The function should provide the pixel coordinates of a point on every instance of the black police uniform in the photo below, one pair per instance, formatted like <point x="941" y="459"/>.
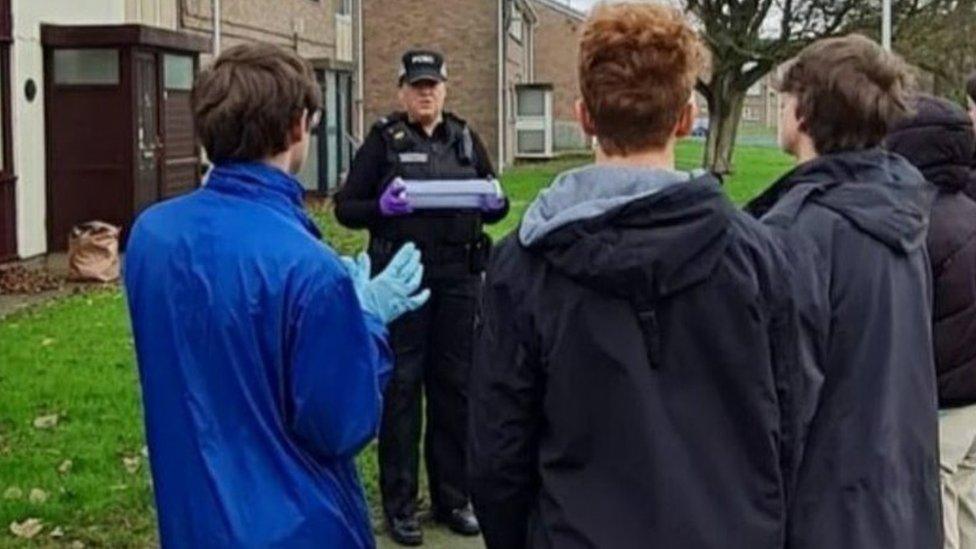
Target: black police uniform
<point x="433" y="346"/>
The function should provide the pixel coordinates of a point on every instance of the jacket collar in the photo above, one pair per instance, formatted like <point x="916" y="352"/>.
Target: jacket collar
<point x="824" y="171"/>
<point x="265" y="184"/>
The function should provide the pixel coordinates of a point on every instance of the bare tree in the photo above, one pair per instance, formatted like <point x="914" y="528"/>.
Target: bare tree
<point x="938" y="42"/>
<point x="749" y="38"/>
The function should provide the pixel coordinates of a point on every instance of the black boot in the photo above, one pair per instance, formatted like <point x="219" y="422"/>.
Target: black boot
<point x="461" y="521"/>
<point x="406" y="530"/>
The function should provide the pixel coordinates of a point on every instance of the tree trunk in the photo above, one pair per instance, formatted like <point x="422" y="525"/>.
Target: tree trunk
<point x="724" y="113"/>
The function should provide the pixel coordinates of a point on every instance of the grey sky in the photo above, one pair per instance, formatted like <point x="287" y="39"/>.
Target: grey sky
<point x="581" y="5"/>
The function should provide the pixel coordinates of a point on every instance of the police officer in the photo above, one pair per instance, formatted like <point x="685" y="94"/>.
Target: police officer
<point x="433" y="346"/>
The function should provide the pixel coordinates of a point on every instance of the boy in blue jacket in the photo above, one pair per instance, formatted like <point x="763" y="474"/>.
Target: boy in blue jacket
<point x="262" y="355"/>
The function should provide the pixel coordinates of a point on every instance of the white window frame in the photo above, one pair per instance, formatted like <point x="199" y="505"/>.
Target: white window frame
<point x="542" y="123"/>
<point x="516" y="29"/>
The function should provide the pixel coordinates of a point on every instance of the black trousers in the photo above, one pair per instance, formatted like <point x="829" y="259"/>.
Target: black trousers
<point x="433" y="348"/>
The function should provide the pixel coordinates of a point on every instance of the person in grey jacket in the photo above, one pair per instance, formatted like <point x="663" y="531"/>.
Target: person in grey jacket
<point x="870" y="471"/>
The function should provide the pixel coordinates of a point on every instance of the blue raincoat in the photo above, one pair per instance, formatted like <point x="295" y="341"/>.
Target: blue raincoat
<point x="261" y="375"/>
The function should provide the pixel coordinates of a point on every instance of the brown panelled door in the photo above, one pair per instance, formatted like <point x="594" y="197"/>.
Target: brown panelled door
<point x="148" y="142"/>
<point x="119" y="129"/>
<point x="89" y="127"/>
<point x="8" y="217"/>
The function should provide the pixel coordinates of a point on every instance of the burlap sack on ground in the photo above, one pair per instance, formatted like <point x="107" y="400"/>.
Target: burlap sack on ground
<point x="93" y="252"/>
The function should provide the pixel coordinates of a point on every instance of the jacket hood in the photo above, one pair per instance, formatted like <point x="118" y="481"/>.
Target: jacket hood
<point x="939" y="141"/>
<point x="877" y="191"/>
<point x="639" y="234"/>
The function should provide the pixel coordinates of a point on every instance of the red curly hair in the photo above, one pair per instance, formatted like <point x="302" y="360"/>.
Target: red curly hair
<point x="638" y="65"/>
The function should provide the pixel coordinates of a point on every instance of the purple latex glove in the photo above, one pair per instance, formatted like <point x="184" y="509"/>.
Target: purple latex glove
<point x="394" y="201"/>
<point x="493" y="203"/>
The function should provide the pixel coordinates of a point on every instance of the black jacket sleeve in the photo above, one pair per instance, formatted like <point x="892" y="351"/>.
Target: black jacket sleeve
<point x="799" y="332"/>
<point x="505" y="410"/>
<point x="357" y="202"/>
<point x="487" y="170"/>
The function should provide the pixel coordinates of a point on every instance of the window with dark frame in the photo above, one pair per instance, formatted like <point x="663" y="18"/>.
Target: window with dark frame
<point x="177" y="72"/>
<point x="86" y="67"/>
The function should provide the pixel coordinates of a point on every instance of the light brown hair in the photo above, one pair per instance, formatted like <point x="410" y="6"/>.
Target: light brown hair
<point x="638" y="65"/>
<point x="247" y="101"/>
<point x="849" y="92"/>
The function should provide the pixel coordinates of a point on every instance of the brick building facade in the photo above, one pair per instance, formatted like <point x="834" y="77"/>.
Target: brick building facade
<point x="556" y="53"/>
<point x="324" y="32"/>
<point x="760" y="107"/>
<point x="493" y="48"/>
<point x="308" y="27"/>
<point x="465" y="31"/>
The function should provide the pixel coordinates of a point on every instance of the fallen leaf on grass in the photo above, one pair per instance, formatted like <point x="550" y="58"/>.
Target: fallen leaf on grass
<point x="37" y="496"/>
<point x="49" y="421"/>
<point x="77" y="545"/>
<point x="13" y="493"/>
<point x="131" y="464"/>
<point x="48" y="341"/>
<point x="27" y="529"/>
<point x="65" y="466"/>
<point x="57" y="532"/>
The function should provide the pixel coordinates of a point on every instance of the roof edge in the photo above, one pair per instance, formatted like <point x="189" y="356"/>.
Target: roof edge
<point x="562" y="8"/>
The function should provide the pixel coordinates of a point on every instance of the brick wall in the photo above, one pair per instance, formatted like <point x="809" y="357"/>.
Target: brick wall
<point x="518" y="71"/>
<point x="465" y="31"/>
<point x="308" y="25"/>
<point x="556" y="53"/>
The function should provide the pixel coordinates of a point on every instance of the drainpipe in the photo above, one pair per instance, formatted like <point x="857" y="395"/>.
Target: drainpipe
<point x="886" y="24"/>
<point x="361" y="69"/>
<point x="501" y="85"/>
<point x="215" y="15"/>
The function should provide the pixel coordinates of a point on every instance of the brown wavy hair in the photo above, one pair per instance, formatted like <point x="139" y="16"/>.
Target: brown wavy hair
<point x="638" y="65"/>
<point x="849" y="92"/>
<point x="247" y="101"/>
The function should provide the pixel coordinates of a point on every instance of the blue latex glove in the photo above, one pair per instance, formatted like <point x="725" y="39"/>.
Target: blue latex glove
<point x="393" y="292"/>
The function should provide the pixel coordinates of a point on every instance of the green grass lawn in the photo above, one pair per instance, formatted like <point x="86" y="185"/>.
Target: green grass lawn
<point x="756" y="168"/>
<point x="74" y="359"/>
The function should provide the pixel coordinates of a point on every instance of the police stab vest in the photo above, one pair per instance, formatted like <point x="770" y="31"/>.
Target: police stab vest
<point x="416" y="157"/>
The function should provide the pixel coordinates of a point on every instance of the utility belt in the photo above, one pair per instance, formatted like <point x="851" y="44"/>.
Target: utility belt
<point x="439" y="259"/>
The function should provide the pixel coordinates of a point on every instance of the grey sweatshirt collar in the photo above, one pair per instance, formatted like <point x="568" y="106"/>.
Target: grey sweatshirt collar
<point x="591" y="191"/>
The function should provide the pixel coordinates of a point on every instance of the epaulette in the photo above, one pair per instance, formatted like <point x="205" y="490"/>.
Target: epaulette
<point x="388" y="120"/>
